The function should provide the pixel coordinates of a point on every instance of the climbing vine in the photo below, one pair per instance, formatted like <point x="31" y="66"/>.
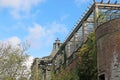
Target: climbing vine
<point x="87" y="63"/>
<point x="86" y="67"/>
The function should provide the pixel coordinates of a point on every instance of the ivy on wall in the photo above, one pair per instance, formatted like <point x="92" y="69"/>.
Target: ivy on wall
<point x="86" y="68"/>
<point x="87" y="63"/>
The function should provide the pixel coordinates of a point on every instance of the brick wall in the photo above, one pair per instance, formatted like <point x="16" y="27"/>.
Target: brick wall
<point x="108" y="49"/>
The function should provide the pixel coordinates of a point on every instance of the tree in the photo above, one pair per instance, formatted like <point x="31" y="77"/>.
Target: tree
<point x="12" y="61"/>
<point x="66" y="74"/>
<point x="88" y="60"/>
<point x="102" y="18"/>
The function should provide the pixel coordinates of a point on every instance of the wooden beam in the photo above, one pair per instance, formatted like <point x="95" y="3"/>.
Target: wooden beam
<point x="107" y="5"/>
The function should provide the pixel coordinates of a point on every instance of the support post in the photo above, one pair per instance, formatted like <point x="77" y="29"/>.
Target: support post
<point x="84" y="31"/>
<point x="96" y="14"/>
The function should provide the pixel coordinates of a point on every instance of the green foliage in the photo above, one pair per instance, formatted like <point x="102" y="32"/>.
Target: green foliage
<point x="101" y="17"/>
<point x="86" y="68"/>
<point x="36" y="73"/>
<point x="87" y="59"/>
<point x="9" y="78"/>
<point x="23" y="78"/>
<point x="12" y="62"/>
<point x="66" y="74"/>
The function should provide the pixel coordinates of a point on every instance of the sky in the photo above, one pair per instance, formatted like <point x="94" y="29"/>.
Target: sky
<point x="39" y="22"/>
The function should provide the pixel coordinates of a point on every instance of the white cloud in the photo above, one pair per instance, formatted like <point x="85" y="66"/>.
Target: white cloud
<point x="79" y="2"/>
<point x="64" y="17"/>
<point x="18" y="6"/>
<point x="36" y="33"/>
<point x="40" y="36"/>
<point x="12" y="41"/>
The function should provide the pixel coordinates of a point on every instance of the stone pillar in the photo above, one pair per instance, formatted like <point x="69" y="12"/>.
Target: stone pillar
<point x="36" y="68"/>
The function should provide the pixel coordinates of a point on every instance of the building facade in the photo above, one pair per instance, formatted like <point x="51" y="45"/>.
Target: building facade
<point x="41" y="67"/>
<point x="108" y="50"/>
<point x="107" y="26"/>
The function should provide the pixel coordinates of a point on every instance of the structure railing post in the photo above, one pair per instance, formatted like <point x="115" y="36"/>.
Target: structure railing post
<point x="96" y="14"/>
<point x="84" y="31"/>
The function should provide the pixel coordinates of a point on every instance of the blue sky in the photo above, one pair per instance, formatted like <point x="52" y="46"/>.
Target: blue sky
<point x="39" y="22"/>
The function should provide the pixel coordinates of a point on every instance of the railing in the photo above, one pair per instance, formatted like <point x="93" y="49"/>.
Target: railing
<point x="96" y="15"/>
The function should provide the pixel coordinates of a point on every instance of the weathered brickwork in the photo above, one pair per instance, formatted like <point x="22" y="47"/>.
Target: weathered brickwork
<point x="108" y="49"/>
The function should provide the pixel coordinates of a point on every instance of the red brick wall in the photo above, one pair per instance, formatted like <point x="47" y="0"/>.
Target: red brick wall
<point x="108" y="41"/>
